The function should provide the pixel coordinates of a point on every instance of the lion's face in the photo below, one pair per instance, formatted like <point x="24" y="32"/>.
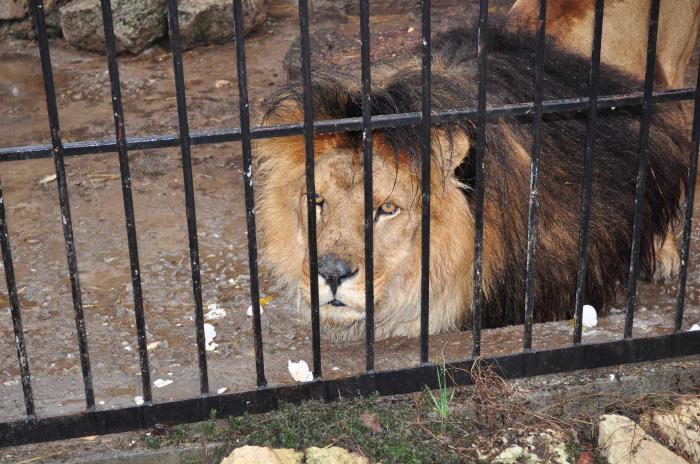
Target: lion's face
<point x="396" y="221"/>
<point x="340" y="233"/>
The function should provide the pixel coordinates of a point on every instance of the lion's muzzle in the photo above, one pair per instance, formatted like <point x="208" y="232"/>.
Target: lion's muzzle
<point x="334" y="271"/>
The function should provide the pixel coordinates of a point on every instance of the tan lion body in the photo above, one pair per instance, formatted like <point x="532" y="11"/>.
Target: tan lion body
<point x="625" y="32"/>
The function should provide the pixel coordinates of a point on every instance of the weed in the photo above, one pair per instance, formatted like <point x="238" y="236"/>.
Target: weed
<point x="441" y="404"/>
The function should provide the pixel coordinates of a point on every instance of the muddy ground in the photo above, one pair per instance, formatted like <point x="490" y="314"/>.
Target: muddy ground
<point x="35" y="229"/>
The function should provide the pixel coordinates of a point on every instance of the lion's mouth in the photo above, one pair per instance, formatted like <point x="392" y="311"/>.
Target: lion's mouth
<point x="336" y="303"/>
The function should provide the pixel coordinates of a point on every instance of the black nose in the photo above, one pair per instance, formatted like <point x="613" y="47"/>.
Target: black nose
<point x="334" y="269"/>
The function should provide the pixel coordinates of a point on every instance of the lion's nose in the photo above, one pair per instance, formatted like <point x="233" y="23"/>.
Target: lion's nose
<point x="334" y="270"/>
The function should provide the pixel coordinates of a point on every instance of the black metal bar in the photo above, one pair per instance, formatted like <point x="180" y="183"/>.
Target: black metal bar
<point x="534" y="170"/>
<point x="57" y="150"/>
<point x="310" y="184"/>
<point x="688" y="212"/>
<point x="128" y="200"/>
<point x="15" y="310"/>
<point x="248" y="187"/>
<point x="523" y="364"/>
<point x="478" y="296"/>
<point x="642" y="169"/>
<point x="588" y="169"/>
<point x="426" y="80"/>
<point x="184" y="140"/>
<point x="340" y="125"/>
<point x="369" y="201"/>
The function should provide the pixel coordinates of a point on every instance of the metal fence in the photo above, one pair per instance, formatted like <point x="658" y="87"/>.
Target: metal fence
<point x="528" y="362"/>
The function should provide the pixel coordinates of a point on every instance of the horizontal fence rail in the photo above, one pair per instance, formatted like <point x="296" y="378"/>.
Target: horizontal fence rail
<point x="528" y="362"/>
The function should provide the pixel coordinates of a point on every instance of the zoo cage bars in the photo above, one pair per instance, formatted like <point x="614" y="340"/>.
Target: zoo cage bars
<point x="528" y="362"/>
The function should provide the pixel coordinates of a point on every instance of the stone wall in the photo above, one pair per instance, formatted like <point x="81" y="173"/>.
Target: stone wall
<point x="137" y="23"/>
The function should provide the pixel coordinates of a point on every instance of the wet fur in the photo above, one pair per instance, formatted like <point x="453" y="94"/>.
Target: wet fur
<point x="397" y="89"/>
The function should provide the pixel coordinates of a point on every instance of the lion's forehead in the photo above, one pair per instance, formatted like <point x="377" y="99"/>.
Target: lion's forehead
<point x="342" y="173"/>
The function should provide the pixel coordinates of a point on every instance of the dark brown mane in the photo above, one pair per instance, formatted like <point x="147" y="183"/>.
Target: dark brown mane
<point x="397" y="89"/>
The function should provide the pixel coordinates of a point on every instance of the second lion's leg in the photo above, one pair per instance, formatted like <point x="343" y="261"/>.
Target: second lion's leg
<point x="668" y="260"/>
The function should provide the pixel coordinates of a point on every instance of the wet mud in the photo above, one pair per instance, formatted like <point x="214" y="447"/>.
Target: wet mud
<point x="35" y="229"/>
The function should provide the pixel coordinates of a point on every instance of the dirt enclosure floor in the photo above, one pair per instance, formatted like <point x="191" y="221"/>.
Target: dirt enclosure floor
<point x="35" y="229"/>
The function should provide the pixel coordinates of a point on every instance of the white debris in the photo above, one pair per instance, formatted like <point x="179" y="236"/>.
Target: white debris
<point x="46" y="179"/>
<point x="336" y="368"/>
<point x="589" y="317"/>
<point x="249" y="312"/>
<point x="411" y="29"/>
<point x="694" y="328"/>
<point x="222" y="83"/>
<point x="215" y="312"/>
<point x="300" y="371"/>
<point x="209" y="334"/>
<point x="160" y="383"/>
<point x="612" y="377"/>
<point x="152" y="346"/>
<point x="138" y="400"/>
<point x="232" y="281"/>
<point x="221" y="391"/>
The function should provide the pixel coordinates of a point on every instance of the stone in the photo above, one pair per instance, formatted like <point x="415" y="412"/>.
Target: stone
<point x="13" y="9"/>
<point x="211" y="21"/>
<point x="680" y="427"/>
<point x="333" y="455"/>
<point x="137" y="24"/>
<point x="516" y="454"/>
<point x="622" y="441"/>
<point x="262" y="455"/>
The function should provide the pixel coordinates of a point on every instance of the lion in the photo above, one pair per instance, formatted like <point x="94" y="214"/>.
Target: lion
<point x="281" y="195"/>
<point x="625" y="28"/>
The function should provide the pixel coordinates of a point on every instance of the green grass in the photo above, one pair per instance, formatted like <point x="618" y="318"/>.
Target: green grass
<point x="412" y="434"/>
<point x="442" y="403"/>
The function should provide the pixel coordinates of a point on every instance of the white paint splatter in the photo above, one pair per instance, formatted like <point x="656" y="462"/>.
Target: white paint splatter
<point x="589" y="317"/>
<point x="160" y="383"/>
<point x="300" y="371"/>
<point x="249" y="311"/>
<point x="209" y="335"/>
<point x="215" y="312"/>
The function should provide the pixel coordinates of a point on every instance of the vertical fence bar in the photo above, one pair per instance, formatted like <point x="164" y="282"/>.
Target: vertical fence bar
<point x="57" y="151"/>
<point x="647" y="105"/>
<point x="482" y="56"/>
<point x="534" y="170"/>
<point x="248" y="187"/>
<point x="184" y="139"/>
<point x="310" y="184"/>
<point x="588" y="169"/>
<point x="425" y="185"/>
<point x="14" y="310"/>
<point x="688" y="212"/>
<point x="369" y="202"/>
<point x="128" y="200"/>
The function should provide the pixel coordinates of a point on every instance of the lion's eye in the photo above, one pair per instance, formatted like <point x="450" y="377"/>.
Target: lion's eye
<point x="388" y="209"/>
<point x="318" y="199"/>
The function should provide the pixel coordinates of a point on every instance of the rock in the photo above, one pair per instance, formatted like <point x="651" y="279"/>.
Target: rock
<point x="211" y="21"/>
<point x="13" y="9"/>
<point x="516" y="454"/>
<point x="681" y="427"/>
<point x="333" y="455"/>
<point x="262" y="455"/>
<point x="137" y="24"/>
<point x="622" y="441"/>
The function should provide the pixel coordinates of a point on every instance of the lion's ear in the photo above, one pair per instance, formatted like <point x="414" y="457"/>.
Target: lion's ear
<point x="450" y="148"/>
<point x="284" y="111"/>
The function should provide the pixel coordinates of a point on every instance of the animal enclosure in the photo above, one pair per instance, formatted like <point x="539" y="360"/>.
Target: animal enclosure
<point x="619" y="346"/>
